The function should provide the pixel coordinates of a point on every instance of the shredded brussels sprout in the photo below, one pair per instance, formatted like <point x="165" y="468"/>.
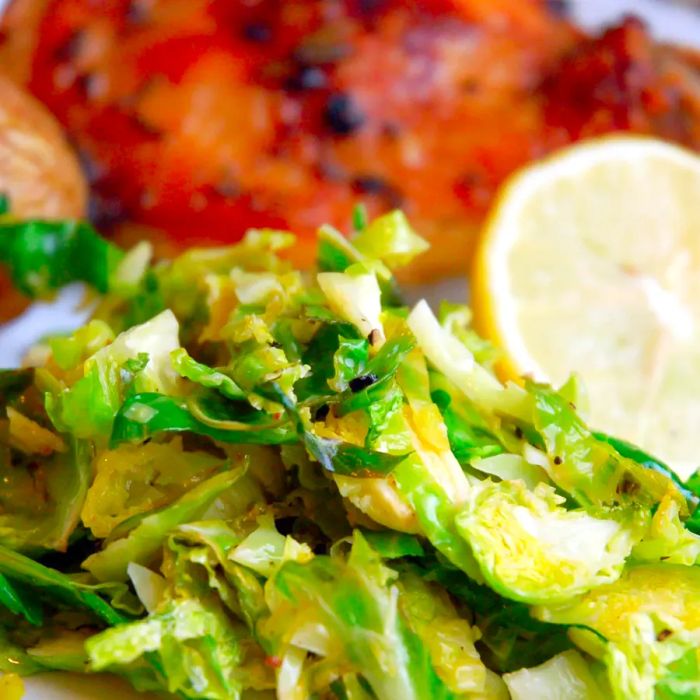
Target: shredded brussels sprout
<point x="239" y="480"/>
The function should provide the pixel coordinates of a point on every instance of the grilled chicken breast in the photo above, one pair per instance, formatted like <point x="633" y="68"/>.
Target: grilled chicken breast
<point x="197" y="119"/>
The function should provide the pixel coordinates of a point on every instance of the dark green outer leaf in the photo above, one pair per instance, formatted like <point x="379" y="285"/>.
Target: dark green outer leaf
<point x="18" y="602"/>
<point x="55" y="585"/>
<point x="346" y="459"/>
<point x="46" y="255"/>
<point x="337" y="456"/>
<point x="210" y="377"/>
<point x="467" y="441"/>
<point x="393" y="545"/>
<point x="143" y="415"/>
<point x="383" y="366"/>
<point x="331" y="258"/>
<point x="319" y="356"/>
<point x="349" y="360"/>
<point x="512" y="639"/>
<point x="13" y="382"/>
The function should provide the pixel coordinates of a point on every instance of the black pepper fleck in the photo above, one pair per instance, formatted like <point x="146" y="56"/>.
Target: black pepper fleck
<point x="663" y="634"/>
<point x="342" y="114"/>
<point x="369" y="7"/>
<point x="391" y="130"/>
<point x="137" y="12"/>
<point x="320" y="52"/>
<point x="628" y="485"/>
<point x="91" y="167"/>
<point x="307" y="78"/>
<point x="362" y="382"/>
<point x="257" y="32"/>
<point x="89" y="84"/>
<point x="70" y="49"/>
<point x="559" y="8"/>
<point x="228" y="189"/>
<point x="322" y="412"/>
<point x="378" y="187"/>
<point x="105" y="210"/>
<point x="557" y="460"/>
<point x="370" y="184"/>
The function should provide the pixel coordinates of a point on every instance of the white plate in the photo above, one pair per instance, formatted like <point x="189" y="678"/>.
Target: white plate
<point x="669" y="22"/>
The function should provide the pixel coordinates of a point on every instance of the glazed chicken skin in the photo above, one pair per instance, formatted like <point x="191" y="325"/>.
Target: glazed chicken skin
<point x="197" y="119"/>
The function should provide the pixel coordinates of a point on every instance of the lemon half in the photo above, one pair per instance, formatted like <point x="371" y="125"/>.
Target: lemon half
<point x="590" y="263"/>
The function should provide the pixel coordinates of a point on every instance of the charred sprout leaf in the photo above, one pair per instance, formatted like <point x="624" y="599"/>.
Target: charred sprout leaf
<point x="592" y="470"/>
<point x="630" y="451"/>
<point x="46" y="255"/>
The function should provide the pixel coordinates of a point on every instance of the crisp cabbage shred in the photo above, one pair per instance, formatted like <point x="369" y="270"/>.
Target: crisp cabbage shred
<point x="242" y="480"/>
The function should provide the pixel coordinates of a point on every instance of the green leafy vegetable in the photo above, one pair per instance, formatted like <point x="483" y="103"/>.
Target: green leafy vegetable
<point x="16" y="601"/>
<point x="196" y="649"/>
<point x="55" y="587"/>
<point x="532" y="549"/>
<point x="196" y="372"/>
<point x="591" y="470"/>
<point x="347" y="611"/>
<point x="391" y="239"/>
<point x="145" y="540"/>
<point x="44" y="515"/>
<point x="241" y="480"/>
<point x="144" y="415"/>
<point x="45" y="255"/>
